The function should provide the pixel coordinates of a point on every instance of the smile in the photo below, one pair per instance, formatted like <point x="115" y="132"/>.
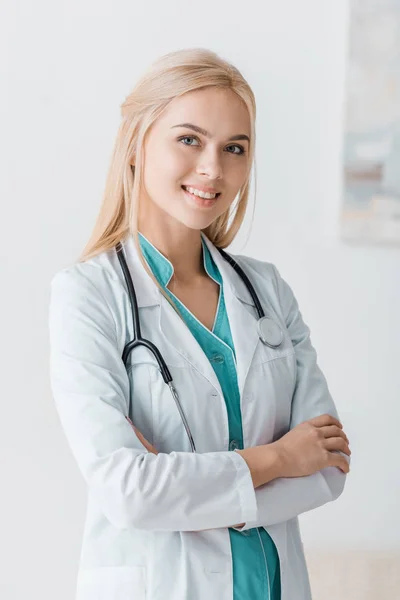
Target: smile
<point x="199" y="201"/>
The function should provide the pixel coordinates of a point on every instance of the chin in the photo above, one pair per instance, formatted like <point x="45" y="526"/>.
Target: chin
<point x="197" y="222"/>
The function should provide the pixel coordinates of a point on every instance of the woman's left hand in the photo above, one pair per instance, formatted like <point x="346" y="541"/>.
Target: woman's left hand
<point x="149" y="447"/>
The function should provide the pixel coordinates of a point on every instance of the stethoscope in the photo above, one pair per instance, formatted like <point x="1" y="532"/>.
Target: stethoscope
<point x="268" y="330"/>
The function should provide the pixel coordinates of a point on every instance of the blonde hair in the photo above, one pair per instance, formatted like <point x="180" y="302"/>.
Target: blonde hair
<point x="169" y="77"/>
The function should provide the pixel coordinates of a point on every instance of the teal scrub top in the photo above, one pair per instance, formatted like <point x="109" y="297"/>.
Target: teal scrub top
<point x="255" y="560"/>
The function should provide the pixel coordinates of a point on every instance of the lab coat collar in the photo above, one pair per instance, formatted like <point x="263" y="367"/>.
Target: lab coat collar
<point x="239" y="306"/>
<point x="147" y="292"/>
<point x="162" y="267"/>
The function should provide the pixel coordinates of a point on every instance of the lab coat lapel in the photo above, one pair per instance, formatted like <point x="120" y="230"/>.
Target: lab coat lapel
<point x="172" y="327"/>
<point x="241" y="312"/>
<point x="177" y="333"/>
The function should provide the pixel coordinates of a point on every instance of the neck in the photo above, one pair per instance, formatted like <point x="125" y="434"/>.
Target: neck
<point x="183" y="248"/>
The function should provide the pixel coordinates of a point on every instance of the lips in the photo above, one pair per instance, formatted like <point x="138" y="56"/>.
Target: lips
<point x="217" y="194"/>
<point x="201" y="202"/>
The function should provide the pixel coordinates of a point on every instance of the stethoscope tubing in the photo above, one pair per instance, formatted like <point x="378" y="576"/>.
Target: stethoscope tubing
<point x="138" y="340"/>
<point x="246" y="281"/>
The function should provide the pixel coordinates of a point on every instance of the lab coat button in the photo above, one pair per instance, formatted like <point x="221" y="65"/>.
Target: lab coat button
<point x="233" y="445"/>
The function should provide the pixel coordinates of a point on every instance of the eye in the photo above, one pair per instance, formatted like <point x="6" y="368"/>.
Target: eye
<point x="187" y="137"/>
<point x="242" y="150"/>
<point x="192" y="137"/>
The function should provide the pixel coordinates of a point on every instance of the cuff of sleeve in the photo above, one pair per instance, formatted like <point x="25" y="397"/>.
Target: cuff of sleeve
<point x="250" y="524"/>
<point x="247" y="525"/>
<point x="247" y="493"/>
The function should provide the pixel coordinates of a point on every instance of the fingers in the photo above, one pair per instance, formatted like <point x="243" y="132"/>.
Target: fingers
<point x="128" y="419"/>
<point x="337" y="460"/>
<point x="333" y="431"/>
<point x="337" y="443"/>
<point x="323" y="420"/>
<point x="143" y="440"/>
<point x="149" y="447"/>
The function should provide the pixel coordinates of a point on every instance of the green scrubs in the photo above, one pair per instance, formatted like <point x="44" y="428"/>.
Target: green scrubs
<point x="255" y="560"/>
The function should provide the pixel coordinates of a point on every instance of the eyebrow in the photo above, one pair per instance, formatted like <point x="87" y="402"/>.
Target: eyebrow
<point x="239" y="136"/>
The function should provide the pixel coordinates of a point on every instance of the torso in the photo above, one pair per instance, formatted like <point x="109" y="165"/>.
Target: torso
<point x="201" y="300"/>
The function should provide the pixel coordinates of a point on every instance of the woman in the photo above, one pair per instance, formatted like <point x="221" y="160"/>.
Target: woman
<point x="164" y="522"/>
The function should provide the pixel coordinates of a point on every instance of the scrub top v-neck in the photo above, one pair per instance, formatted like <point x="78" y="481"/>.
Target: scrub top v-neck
<point x="255" y="560"/>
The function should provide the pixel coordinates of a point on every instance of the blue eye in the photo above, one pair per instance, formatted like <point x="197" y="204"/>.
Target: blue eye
<point x="187" y="137"/>
<point x="192" y="137"/>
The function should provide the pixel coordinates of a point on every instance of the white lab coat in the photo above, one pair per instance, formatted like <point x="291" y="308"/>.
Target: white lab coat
<point x="157" y="525"/>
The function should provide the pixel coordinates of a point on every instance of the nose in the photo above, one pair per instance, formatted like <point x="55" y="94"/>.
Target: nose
<point x="210" y="165"/>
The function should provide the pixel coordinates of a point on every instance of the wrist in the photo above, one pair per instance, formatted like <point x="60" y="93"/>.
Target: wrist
<point x="265" y="462"/>
<point x="278" y="459"/>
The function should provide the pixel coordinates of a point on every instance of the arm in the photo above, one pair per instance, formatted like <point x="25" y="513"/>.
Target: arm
<point x="285" y="498"/>
<point x="180" y="491"/>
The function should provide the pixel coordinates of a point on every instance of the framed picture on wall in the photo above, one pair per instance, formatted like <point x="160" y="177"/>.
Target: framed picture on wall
<point x="371" y="172"/>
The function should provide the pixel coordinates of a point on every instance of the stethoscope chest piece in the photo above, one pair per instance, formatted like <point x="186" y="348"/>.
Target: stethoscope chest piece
<point x="269" y="332"/>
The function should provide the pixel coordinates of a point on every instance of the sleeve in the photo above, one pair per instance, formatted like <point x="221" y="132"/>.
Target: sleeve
<point x="287" y="497"/>
<point x="90" y="387"/>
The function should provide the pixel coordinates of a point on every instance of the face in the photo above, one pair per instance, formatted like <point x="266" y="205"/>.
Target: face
<point x="177" y="156"/>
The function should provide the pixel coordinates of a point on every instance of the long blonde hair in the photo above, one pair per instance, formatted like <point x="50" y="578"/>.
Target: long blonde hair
<point x="169" y="77"/>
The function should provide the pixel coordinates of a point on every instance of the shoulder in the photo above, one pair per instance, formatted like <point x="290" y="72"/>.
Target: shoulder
<point x="266" y="273"/>
<point x="89" y="290"/>
<point x="94" y="276"/>
<point x="85" y="300"/>
<point x="267" y="280"/>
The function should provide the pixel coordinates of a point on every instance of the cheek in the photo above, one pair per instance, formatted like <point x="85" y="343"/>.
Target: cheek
<point x="169" y="170"/>
<point x="178" y="163"/>
<point x="223" y="206"/>
<point x="237" y="173"/>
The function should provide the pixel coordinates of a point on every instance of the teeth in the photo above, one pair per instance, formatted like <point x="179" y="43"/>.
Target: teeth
<point x="199" y="193"/>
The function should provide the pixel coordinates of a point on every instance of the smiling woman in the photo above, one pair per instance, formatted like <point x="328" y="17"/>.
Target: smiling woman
<point x="195" y="487"/>
<point x="209" y="163"/>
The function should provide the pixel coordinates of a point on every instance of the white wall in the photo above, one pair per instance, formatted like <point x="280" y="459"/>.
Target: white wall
<point x="65" y="67"/>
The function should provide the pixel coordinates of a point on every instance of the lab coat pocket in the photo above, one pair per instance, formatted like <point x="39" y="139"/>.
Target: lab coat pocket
<point x="272" y="380"/>
<point x="112" y="583"/>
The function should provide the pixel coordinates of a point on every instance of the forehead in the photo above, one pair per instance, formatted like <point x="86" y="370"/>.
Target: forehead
<point x="217" y="110"/>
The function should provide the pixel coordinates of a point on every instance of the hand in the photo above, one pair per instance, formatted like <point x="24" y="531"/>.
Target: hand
<point x="141" y="437"/>
<point x="313" y="445"/>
